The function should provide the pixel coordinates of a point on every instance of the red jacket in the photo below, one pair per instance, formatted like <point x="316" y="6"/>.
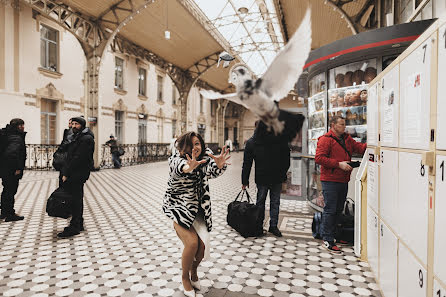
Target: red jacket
<point x="329" y="153"/>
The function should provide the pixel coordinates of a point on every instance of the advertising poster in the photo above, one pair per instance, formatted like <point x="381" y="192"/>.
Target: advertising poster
<point x="413" y="108"/>
<point x="388" y="116"/>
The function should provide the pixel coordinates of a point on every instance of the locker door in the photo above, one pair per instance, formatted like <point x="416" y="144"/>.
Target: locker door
<point x="412" y="277"/>
<point x="413" y="203"/>
<point x="372" y="180"/>
<point x="388" y="261"/>
<point x="439" y="291"/>
<point x="389" y="115"/>
<point x="440" y="219"/>
<point x="441" y="102"/>
<point x="372" y="115"/>
<point x="415" y="98"/>
<point x="388" y="188"/>
<point x="372" y="240"/>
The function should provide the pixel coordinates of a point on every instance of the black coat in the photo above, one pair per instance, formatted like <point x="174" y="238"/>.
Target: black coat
<point x="271" y="155"/>
<point x="14" y="155"/>
<point x="80" y="157"/>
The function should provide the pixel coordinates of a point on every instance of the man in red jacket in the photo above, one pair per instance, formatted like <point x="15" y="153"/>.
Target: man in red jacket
<point x="334" y="151"/>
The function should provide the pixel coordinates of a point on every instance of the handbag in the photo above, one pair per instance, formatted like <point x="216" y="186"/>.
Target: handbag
<point x="58" y="204"/>
<point x="244" y="216"/>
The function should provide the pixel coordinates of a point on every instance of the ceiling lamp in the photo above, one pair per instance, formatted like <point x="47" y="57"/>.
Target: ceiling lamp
<point x="243" y="10"/>
<point x="241" y="6"/>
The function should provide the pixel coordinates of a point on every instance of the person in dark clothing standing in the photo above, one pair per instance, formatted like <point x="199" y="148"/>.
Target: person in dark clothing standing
<point x="334" y="151"/>
<point x="114" y="150"/>
<point x="59" y="157"/>
<point x="76" y="172"/>
<point x="12" y="164"/>
<point x="271" y="154"/>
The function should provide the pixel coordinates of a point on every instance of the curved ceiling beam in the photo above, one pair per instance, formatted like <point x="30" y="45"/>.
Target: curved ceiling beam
<point x="344" y="15"/>
<point x="199" y="68"/>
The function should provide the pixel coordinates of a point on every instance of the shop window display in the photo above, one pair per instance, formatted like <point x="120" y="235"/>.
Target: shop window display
<point x="316" y="111"/>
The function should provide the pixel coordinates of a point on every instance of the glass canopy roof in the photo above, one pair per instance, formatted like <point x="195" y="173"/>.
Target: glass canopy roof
<point x="250" y="26"/>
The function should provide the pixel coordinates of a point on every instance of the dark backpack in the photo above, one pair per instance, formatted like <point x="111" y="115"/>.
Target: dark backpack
<point x="316" y="225"/>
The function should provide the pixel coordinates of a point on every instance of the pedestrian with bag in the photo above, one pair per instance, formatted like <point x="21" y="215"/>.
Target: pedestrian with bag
<point x="76" y="171"/>
<point x="12" y="164"/>
<point x="271" y="155"/>
<point x="187" y="201"/>
<point x="115" y="152"/>
<point x="334" y="151"/>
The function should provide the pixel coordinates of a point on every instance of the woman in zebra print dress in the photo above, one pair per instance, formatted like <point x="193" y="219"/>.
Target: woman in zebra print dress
<point x="187" y="201"/>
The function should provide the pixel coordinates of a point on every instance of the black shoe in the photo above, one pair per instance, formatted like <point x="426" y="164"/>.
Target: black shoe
<point x="13" y="218"/>
<point x="2" y="216"/>
<point x="68" y="232"/>
<point x="275" y="231"/>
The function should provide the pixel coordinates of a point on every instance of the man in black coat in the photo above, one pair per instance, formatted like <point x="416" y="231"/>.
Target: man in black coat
<point x="271" y="154"/>
<point x="76" y="172"/>
<point x="12" y="164"/>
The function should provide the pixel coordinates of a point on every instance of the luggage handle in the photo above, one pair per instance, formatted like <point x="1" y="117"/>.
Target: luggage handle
<point x="243" y="191"/>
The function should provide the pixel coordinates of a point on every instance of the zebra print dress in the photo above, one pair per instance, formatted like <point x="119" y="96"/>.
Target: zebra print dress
<point x="187" y="192"/>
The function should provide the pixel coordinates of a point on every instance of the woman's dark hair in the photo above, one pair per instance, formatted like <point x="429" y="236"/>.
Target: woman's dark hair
<point x="184" y="144"/>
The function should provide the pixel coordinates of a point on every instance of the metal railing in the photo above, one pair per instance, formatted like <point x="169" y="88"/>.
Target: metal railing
<point x="40" y="156"/>
<point x="136" y="154"/>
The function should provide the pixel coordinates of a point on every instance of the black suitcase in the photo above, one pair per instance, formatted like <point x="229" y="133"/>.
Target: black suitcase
<point x="245" y="217"/>
<point x="58" y="205"/>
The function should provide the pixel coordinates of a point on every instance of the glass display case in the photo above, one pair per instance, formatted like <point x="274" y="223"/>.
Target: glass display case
<point x="347" y="95"/>
<point x="317" y="111"/>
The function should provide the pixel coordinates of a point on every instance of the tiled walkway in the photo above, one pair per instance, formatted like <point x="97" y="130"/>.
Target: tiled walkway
<point x="130" y="249"/>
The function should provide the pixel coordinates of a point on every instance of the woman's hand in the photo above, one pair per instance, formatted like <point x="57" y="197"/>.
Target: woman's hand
<point x="221" y="159"/>
<point x="192" y="163"/>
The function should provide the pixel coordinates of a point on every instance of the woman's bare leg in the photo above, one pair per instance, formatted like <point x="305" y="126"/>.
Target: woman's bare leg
<point x="198" y="257"/>
<point x="189" y="238"/>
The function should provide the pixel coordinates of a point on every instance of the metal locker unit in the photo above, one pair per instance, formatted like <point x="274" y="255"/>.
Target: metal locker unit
<point x="388" y="261"/>
<point x="438" y="291"/>
<point x="440" y="219"/>
<point x="372" y="115"/>
<point x="372" y="179"/>
<point x="441" y="94"/>
<point x="388" y="187"/>
<point x="389" y="111"/>
<point x="412" y="276"/>
<point x="372" y="240"/>
<point x="413" y="202"/>
<point x="415" y="97"/>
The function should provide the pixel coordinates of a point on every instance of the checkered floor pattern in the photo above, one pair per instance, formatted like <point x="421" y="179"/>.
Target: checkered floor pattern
<point x="129" y="247"/>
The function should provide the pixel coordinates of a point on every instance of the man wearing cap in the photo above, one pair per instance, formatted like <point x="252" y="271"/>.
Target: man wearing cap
<point x="114" y="150"/>
<point x="76" y="172"/>
<point x="12" y="164"/>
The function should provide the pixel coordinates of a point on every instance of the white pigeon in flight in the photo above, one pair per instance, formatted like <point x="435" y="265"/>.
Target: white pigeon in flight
<point x="226" y="58"/>
<point x="260" y="95"/>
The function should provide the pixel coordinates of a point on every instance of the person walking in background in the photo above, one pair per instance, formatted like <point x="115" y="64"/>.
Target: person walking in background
<point x="187" y="201"/>
<point x="114" y="150"/>
<point x="12" y="164"/>
<point x="228" y="144"/>
<point x="334" y="151"/>
<point x="271" y="155"/>
<point x="76" y="172"/>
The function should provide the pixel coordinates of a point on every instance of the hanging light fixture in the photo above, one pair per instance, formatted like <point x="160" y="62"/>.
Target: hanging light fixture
<point x="242" y="7"/>
<point x="167" y="32"/>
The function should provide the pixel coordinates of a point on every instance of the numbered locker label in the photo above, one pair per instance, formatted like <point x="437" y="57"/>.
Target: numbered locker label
<point x="414" y="128"/>
<point x="372" y="240"/>
<point x="372" y="115"/>
<point x="388" y="261"/>
<point x="388" y="188"/>
<point x="441" y="102"/>
<point x="440" y="219"/>
<point x="389" y="108"/>
<point x="372" y="180"/>
<point x="438" y="290"/>
<point x="412" y="277"/>
<point x="413" y="203"/>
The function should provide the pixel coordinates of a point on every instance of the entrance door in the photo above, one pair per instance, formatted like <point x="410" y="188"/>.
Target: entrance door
<point x="48" y="121"/>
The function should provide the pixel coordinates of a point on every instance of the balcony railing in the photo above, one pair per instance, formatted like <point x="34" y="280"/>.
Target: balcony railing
<point x="137" y="154"/>
<point x="40" y="156"/>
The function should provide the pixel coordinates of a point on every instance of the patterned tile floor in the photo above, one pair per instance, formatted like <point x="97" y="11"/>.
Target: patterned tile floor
<point x="130" y="249"/>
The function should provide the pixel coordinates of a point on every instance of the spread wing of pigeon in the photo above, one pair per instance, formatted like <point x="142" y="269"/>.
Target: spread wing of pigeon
<point x="226" y="58"/>
<point x="260" y="96"/>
